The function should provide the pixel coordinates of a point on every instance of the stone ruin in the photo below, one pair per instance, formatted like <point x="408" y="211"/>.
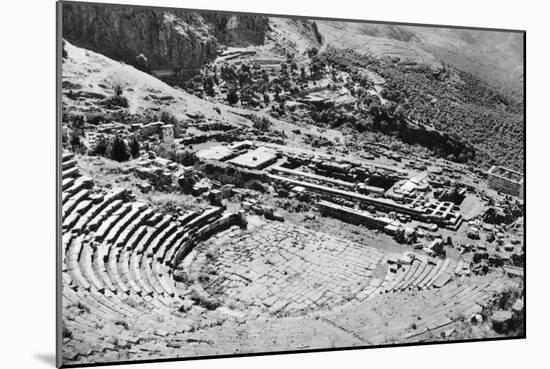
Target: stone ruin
<point x="124" y="260"/>
<point x="506" y="180"/>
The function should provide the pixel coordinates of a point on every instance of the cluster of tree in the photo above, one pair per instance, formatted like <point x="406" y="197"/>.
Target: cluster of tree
<point x="117" y="100"/>
<point x="261" y="123"/>
<point x="458" y="104"/>
<point x="184" y="157"/>
<point x="116" y="148"/>
<point x="346" y="60"/>
<point x="472" y="121"/>
<point x="250" y="84"/>
<point x="71" y="136"/>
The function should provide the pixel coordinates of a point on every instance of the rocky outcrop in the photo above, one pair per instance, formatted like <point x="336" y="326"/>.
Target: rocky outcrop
<point x="295" y="35"/>
<point x="161" y="39"/>
<point x="168" y="39"/>
<point x="312" y="29"/>
<point x="238" y="30"/>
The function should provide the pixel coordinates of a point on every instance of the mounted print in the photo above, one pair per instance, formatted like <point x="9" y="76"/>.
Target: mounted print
<point x="241" y="184"/>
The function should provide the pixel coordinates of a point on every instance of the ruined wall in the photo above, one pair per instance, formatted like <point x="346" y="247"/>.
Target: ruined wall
<point x="500" y="183"/>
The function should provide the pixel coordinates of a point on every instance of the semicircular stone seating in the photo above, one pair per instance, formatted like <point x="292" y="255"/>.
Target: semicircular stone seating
<point x="418" y="272"/>
<point x="118" y="256"/>
<point x="120" y="295"/>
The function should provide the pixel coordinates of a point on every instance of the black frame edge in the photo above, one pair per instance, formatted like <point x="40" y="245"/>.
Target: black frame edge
<point x="58" y="234"/>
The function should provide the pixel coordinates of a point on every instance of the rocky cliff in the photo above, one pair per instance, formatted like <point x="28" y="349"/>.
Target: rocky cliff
<point x="238" y="30"/>
<point x="168" y="39"/>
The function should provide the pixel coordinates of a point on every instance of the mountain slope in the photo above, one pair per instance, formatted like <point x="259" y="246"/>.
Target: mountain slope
<point x="89" y="79"/>
<point x="92" y="77"/>
<point x="494" y="57"/>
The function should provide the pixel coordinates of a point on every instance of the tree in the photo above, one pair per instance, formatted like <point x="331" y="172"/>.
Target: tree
<point x="119" y="150"/>
<point x="311" y="52"/>
<point x="228" y="73"/>
<point x="168" y="118"/>
<point x="187" y="158"/>
<point x="142" y="63"/>
<point x="101" y="147"/>
<point x="186" y="183"/>
<point x="134" y="147"/>
<point x="63" y="51"/>
<point x="117" y="100"/>
<point x="245" y="68"/>
<point x="315" y="71"/>
<point x="232" y="97"/>
<point x="262" y="123"/>
<point x="208" y="86"/>
<point x="244" y="78"/>
<point x="75" y="141"/>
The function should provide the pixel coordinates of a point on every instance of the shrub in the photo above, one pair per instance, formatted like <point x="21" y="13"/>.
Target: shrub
<point x="74" y="140"/>
<point x="184" y="157"/>
<point x="142" y="63"/>
<point x="117" y="100"/>
<point x="208" y="86"/>
<point x="232" y="97"/>
<point x="119" y="150"/>
<point x="261" y="124"/>
<point x="67" y="333"/>
<point x="83" y="307"/>
<point x="134" y="147"/>
<point x="311" y="52"/>
<point x="123" y="324"/>
<point x="101" y="147"/>
<point x="168" y="118"/>
<point x="256" y="186"/>
<point x="205" y="302"/>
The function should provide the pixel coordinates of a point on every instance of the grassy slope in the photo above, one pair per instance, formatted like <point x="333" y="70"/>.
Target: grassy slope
<point x="92" y="77"/>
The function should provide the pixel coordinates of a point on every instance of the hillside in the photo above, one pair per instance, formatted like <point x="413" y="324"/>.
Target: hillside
<point x="90" y="78"/>
<point x="184" y="41"/>
<point x="494" y="57"/>
<point x="90" y="81"/>
<point x="465" y="84"/>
